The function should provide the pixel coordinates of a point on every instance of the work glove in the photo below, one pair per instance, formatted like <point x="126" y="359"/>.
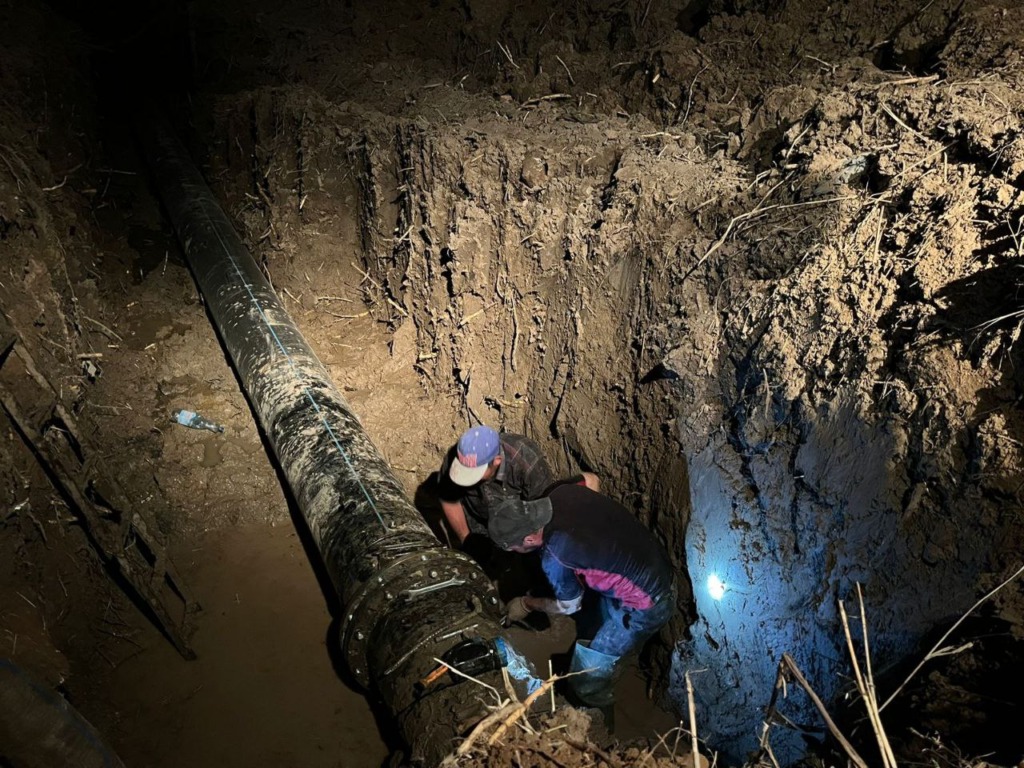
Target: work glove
<point x="516" y="610"/>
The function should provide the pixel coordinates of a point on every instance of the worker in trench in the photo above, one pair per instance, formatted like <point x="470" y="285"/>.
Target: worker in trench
<point x="485" y="468"/>
<point x="588" y="541"/>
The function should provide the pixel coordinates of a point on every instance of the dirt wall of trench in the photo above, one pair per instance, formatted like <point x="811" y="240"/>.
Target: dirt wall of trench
<point x="524" y="269"/>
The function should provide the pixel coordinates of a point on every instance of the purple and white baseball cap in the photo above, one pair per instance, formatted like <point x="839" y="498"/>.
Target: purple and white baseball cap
<point x="478" y="447"/>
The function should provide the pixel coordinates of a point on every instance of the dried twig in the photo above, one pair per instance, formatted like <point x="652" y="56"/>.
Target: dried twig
<point x="507" y="714"/>
<point x="794" y="670"/>
<point x="902" y="124"/>
<point x="345" y="317"/>
<point x="693" y="721"/>
<point x="521" y="709"/>
<point x="508" y="54"/>
<point x="908" y="81"/>
<point x="366" y="276"/>
<point x="465" y="321"/>
<point x="912" y="166"/>
<point x="501" y="702"/>
<point x="865" y="689"/>
<point x="937" y="649"/>
<point x="756" y="211"/>
<point x="400" y="309"/>
<point x="549" y="97"/>
<point x="689" y="93"/>
<point x="780" y="686"/>
<point x="482" y="726"/>
<point x="571" y="81"/>
<point x="103" y="328"/>
<point x="869" y="680"/>
<point x="648" y="754"/>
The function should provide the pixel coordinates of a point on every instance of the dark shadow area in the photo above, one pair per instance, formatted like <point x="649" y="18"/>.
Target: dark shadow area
<point x="148" y="44"/>
<point x="693" y="17"/>
<point x="982" y="306"/>
<point x="971" y="698"/>
<point x="428" y="503"/>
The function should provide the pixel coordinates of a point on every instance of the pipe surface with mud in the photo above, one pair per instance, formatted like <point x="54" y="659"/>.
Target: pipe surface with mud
<point x="405" y="598"/>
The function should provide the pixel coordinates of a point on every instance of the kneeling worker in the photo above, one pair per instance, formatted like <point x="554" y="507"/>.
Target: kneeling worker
<point x="589" y="541"/>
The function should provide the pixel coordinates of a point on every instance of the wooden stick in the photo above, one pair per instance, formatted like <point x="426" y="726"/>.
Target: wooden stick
<point x="780" y="683"/>
<point x="465" y="321"/>
<point x="366" y="276"/>
<point x="345" y="317"/>
<point x="549" y="97"/>
<point x="508" y="54"/>
<point x="571" y="81"/>
<point x="521" y="709"/>
<point x="551" y="673"/>
<point x="832" y="727"/>
<point x="693" y="721"/>
<point x="908" y="81"/>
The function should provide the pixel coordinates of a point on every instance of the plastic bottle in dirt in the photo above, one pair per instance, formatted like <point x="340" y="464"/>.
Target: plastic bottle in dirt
<point x="193" y="420"/>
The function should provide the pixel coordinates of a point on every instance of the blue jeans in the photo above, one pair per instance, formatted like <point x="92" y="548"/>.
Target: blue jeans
<point x="624" y="629"/>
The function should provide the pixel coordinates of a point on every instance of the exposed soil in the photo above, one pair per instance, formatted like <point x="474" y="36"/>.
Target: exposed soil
<point x="755" y="264"/>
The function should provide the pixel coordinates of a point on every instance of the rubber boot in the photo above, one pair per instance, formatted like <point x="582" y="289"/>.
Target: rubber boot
<point x="596" y="687"/>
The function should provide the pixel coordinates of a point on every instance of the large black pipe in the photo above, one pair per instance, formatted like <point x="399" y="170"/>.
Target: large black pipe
<point x="405" y="598"/>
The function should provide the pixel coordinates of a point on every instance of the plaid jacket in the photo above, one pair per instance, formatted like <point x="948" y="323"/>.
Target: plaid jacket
<point x="524" y="473"/>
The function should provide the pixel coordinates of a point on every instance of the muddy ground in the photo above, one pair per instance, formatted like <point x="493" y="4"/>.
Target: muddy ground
<point x="755" y="264"/>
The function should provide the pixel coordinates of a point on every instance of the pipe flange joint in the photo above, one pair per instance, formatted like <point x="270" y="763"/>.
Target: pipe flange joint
<point x="408" y="578"/>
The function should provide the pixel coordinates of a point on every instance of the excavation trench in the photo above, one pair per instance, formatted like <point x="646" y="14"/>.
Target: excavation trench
<point x="767" y="291"/>
<point x="548" y="279"/>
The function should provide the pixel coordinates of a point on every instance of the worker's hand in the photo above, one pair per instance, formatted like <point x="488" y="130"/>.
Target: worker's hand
<point x="516" y="610"/>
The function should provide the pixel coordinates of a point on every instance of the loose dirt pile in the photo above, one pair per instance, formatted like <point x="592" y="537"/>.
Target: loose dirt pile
<point x="756" y="265"/>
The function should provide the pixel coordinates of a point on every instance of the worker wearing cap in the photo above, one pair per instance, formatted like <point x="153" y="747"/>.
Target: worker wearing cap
<point x="484" y="468"/>
<point x="588" y="541"/>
